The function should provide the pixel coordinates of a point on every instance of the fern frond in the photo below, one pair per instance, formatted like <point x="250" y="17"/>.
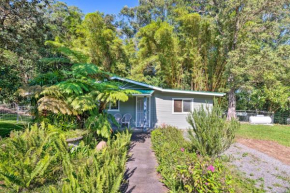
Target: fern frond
<point x="11" y="178"/>
<point x="40" y="167"/>
<point x="53" y="91"/>
<point x="74" y="86"/>
<point x="74" y="56"/>
<point x="55" y="105"/>
<point x="85" y="70"/>
<point x="28" y="91"/>
<point x="84" y="103"/>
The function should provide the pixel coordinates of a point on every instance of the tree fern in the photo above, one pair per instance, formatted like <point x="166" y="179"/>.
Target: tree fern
<point x="85" y="70"/>
<point x="55" y="105"/>
<point x="73" y="56"/>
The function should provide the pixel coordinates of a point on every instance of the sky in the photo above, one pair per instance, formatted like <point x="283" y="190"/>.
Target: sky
<point x="105" y="6"/>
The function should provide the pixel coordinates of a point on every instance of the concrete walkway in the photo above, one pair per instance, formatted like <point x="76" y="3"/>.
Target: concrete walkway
<point x="141" y="175"/>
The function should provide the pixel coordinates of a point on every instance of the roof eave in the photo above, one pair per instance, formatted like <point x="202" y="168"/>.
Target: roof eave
<point x="168" y="90"/>
<point x="138" y="83"/>
<point x="194" y="92"/>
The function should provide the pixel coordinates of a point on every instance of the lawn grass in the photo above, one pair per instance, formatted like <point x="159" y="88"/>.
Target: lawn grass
<point x="7" y="126"/>
<point x="277" y="133"/>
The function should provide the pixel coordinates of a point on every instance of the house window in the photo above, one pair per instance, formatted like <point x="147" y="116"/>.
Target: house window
<point x="182" y="105"/>
<point x="114" y="106"/>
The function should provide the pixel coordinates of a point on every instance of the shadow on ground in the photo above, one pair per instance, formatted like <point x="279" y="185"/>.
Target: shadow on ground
<point x="139" y="137"/>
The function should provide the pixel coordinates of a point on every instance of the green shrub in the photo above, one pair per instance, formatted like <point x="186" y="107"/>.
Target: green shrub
<point x="210" y="132"/>
<point x="186" y="171"/>
<point x="29" y="159"/>
<point x="183" y="171"/>
<point x="97" y="172"/>
<point x="39" y="160"/>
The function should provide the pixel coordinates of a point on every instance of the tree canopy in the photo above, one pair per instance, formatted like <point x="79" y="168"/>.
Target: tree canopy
<point x="238" y="47"/>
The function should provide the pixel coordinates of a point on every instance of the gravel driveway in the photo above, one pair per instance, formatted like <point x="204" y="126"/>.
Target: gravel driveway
<point x="268" y="172"/>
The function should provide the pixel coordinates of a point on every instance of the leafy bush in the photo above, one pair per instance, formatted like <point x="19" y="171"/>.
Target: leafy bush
<point x="39" y="160"/>
<point x="183" y="171"/>
<point x="95" y="171"/>
<point x="211" y="133"/>
<point x="28" y="159"/>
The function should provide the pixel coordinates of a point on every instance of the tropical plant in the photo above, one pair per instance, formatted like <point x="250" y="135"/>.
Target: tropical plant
<point x="40" y="160"/>
<point x="29" y="158"/>
<point x="95" y="171"/>
<point x="80" y="90"/>
<point x="210" y="132"/>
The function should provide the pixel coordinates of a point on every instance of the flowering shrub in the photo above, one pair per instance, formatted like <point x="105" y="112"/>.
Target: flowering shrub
<point x="185" y="171"/>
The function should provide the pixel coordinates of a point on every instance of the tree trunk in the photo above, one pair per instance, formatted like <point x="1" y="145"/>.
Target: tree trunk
<point x="232" y="105"/>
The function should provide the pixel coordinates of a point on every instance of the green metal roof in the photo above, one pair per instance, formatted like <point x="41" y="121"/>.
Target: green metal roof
<point x="145" y="91"/>
<point x="169" y="90"/>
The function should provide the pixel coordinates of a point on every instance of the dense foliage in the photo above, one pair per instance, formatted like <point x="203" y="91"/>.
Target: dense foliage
<point x="39" y="158"/>
<point x="72" y="94"/>
<point x="186" y="171"/>
<point x="238" y="47"/>
<point x="210" y="133"/>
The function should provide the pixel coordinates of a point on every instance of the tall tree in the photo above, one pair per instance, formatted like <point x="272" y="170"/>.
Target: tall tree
<point x="158" y="54"/>
<point x="245" y="26"/>
<point x="22" y="32"/>
<point x="97" y="38"/>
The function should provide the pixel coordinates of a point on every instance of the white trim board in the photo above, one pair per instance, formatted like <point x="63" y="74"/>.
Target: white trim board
<point x="182" y="99"/>
<point x="148" y="109"/>
<point x="116" y="110"/>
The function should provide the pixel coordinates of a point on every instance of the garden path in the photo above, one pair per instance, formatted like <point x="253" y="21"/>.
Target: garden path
<point x="141" y="175"/>
<point x="268" y="172"/>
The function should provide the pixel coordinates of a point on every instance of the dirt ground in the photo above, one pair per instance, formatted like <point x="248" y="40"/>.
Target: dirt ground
<point x="270" y="148"/>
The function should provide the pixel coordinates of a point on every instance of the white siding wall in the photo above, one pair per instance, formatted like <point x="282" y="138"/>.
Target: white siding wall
<point x="162" y="108"/>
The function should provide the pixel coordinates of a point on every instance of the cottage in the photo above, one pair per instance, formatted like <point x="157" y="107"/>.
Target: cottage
<point x="155" y="106"/>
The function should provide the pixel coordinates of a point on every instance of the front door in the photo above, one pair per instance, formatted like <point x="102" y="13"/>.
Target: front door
<point x="140" y="111"/>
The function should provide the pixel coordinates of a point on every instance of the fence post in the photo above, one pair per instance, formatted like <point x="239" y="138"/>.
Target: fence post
<point x="17" y="111"/>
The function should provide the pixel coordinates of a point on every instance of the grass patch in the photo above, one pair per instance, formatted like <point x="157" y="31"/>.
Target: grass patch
<point x="277" y="133"/>
<point x="7" y="126"/>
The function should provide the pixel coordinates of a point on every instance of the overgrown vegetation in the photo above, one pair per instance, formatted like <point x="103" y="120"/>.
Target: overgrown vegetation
<point x="73" y="94"/>
<point x="39" y="160"/>
<point x="238" y="47"/>
<point x="183" y="170"/>
<point x="210" y="132"/>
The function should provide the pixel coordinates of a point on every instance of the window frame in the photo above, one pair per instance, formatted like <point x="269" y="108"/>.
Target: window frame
<point x="182" y="99"/>
<point x="114" y="109"/>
